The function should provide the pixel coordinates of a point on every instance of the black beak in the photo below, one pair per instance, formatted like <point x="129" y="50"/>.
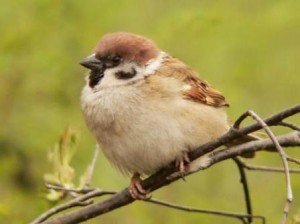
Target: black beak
<point x="91" y="62"/>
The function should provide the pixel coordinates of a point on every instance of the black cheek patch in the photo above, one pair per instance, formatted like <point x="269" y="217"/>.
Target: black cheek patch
<point x="126" y="75"/>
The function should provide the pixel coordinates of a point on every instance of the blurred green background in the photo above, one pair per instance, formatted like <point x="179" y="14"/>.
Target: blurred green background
<point x="250" y="50"/>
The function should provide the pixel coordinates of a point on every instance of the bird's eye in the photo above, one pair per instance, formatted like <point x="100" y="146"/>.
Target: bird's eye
<point x="116" y="59"/>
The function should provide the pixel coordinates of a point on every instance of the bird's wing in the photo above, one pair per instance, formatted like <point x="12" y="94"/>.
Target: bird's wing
<point x="193" y="87"/>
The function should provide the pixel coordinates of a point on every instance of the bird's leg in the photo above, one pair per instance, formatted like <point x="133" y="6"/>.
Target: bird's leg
<point x="135" y="189"/>
<point x="182" y="163"/>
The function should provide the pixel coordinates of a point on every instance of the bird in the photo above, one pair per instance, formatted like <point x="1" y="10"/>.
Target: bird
<point x="146" y="108"/>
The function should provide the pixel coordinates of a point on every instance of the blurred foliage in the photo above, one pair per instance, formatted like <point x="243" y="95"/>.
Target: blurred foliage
<point x="60" y="157"/>
<point x="296" y="219"/>
<point x="250" y="50"/>
<point x="62" y="175"/>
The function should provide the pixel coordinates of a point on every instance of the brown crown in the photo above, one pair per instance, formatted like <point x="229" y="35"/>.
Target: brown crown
<point x="129" y="46"/>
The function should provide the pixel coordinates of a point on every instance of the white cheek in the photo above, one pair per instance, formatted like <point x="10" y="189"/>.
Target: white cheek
<point x="109" y="79"/>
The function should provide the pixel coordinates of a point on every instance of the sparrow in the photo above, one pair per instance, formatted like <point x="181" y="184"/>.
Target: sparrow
<point x="146" y="108"/>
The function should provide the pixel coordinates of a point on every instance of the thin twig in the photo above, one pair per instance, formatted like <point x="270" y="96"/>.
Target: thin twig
<point x="73" y="190"/>
<point x="283" y="157"/>
<point x="294" y="160"/>
<point x="91" y="168"/>
<point x="291" y="126"/>
<point x="205" y="211"/>
<point x="244" y="182"/>
<point x="79" y="201"/>
<point x="267" y="168"/>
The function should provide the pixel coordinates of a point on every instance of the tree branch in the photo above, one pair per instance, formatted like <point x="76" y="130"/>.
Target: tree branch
<point x="80" y="201"/>
<point x="239" y="216"/>
<point x="164" y="177"/>
<point x="283" y="156"/>
<point x="244" y="182"/>
<point x="90" y="193"/>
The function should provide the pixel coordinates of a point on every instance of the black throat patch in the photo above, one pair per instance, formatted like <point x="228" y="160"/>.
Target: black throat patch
<point x="95" y="77"/>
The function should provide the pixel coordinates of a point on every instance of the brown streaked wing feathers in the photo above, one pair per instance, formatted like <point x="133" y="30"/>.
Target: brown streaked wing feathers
<point x="200" y="91"/>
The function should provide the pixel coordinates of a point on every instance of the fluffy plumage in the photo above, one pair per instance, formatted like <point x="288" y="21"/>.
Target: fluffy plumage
<point x="145" y="122"/>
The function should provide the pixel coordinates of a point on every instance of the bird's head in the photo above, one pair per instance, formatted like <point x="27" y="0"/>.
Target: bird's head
<point x="121" y="59"/>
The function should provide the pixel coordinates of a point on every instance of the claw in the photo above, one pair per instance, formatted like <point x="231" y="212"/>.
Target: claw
<point x="182" y="164"/>
<point x="136" y="190"/>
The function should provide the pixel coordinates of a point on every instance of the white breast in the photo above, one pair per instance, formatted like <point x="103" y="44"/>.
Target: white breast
<point x="139" y="135"/>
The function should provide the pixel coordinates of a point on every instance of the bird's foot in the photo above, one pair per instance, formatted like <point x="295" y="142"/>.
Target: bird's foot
<point x="182" y="164"/>
<point x="136" y="190"/>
